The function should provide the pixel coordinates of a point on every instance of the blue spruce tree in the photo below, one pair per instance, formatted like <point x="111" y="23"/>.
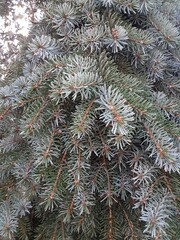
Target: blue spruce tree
<point x="89" y="130"/>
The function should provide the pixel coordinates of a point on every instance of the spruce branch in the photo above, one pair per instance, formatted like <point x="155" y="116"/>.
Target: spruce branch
<point x="167" y="34"/>
<point x="156" y="213"/>
<point x="8" y="220"/>
<point x="127" y="7"/>
<point x="114" y="110"/>
<point x="146" y="5"/>
<point x="117" y="38"/>
<point x="64" y="16"/>
<point x="42" y="47"/>
<point x="5" y="112"/>
<point x="167" y="156"/>
<point x="83" y="121"/>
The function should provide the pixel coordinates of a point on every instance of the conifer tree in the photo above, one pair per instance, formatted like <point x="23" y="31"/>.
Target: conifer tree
<point x="89" y="130"/>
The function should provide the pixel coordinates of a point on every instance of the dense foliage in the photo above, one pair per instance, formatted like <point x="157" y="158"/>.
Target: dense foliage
<point x="89" y="130"/>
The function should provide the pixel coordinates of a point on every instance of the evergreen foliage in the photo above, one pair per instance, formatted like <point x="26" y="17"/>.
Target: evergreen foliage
<point x="89" y="130"/>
